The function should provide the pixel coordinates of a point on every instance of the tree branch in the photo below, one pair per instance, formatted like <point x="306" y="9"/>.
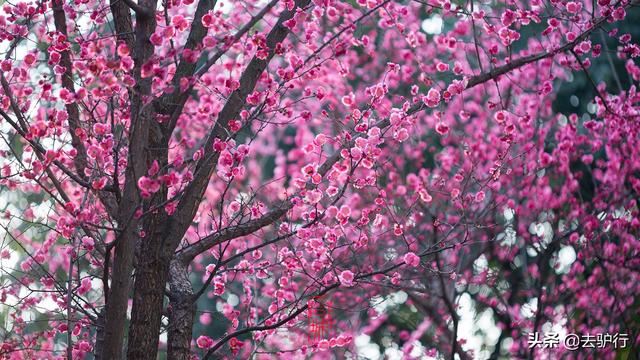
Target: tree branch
<point x="122" y="20"/>
<point x="275" y="325"/>
<point x="141" y="11"/>
<point x="187" y="254"/>
<point x="501" y="70"/>
<point x="188" y="205"/>
<point x="139" y="129"/>
<point x="591" y="81"/>
<point x="174" y="103"/>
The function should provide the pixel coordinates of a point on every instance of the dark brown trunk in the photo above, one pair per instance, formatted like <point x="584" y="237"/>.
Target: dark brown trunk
<point x="118" y="297"/>
<point x="151" y="275"/>
<point x="146" y="315"/>
<point x="99" y="344"/>
<point x="181" y="316"/>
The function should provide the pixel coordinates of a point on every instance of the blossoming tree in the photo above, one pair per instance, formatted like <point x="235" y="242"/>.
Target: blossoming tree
<point x="184" y="178"/>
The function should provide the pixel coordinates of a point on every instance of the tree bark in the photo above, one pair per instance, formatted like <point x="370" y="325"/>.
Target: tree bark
<point x="181" y="316"/>
<point x="146" y="316"/>
<point x="137" y="166"/>
<point x="99" y="344"/>
<point x="118" y="298"/>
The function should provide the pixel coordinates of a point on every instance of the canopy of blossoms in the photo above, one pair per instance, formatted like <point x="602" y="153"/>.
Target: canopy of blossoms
<point x="187" y="179"/>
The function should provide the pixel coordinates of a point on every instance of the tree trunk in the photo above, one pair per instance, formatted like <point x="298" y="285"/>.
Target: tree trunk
<point x="146" y="315"/>
<point x="118" y="297"/>
<point x="99" y="344"/>
<point x="157" y="250"/>
<point x="183" y="310"/>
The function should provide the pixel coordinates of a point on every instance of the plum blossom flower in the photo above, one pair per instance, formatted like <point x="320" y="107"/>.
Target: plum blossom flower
<point x="425" y="196"/>
<point x="208" y="20"/>
<point x="508" y="36"/>
<point x="442" y="128"/>
<point x="148" y="186"/>
<point x="346" y="278"/>
<point x="401" y="135"/>
<point x="433" y="98"/>
<point x="204" y="342"/>
<point x="85" y="286"/>
<point x="501" y="116"/>
<point x="88" y="242"/>
<point x="398" y="229"/>
<point x="442" y="67"/>
<point x="573" y="7"/>
<point x="349" y="100"/>
<point x="411" y="259"/>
